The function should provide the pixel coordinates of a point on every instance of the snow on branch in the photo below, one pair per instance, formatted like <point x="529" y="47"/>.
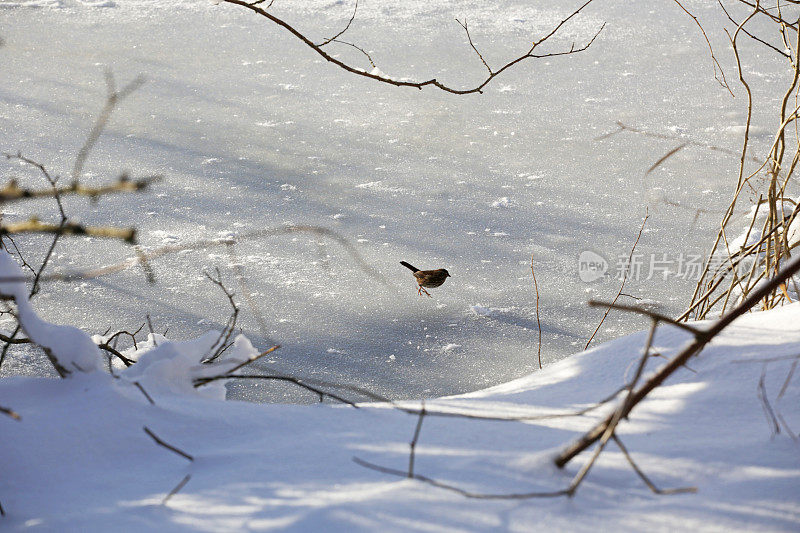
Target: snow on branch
<point x="13" y="192"/>
<point x="68" y="348"/>
<point x="34" y="225"/>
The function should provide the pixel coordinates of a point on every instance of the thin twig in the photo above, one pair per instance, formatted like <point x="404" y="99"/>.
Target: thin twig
<point x="182" y="483"/>
<point x="288" y="379"/>
<point x="538" y="323"/>
<point x="788" y="378"/>
<point x="624" y="279"/>
<point x="165" y="445"/>
<point x="618" y="415"/>
<point x="221" y="344"/>
<point x="349" y="22"/>
<point x="658" y="316"/>
<point x="115" y="353"/>
<point x="723" y="82"/>
<point x="116" y="335"/>
<point x="665" y="157"/>
<point x="413" y="443"/>
<point x="14" y="340"/>
<point x="12" y="192"/>
<point x="762" y="41"/>
<point x="769" y="413"/>
<point x="10" y="412"/>
<point x="469" y="38"/>
<point x="152" y="331"/>
<point x="139" y="386"/>
<point x="458" y="490"/>
<point x="644" y="477"/>
<point x="210" y="243"/>
<point x="112" y="99"/>
<point x="8" y="229"/>
<point x="253" y="359"/>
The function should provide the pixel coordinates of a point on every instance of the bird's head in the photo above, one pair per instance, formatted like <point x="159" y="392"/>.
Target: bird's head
<point x="446" y="273"/>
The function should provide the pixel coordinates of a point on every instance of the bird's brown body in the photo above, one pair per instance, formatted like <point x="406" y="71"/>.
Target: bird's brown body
<point x="427" y="278"/>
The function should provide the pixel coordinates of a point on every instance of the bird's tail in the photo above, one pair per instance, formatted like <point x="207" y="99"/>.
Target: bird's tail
<point x="410" y="267"/>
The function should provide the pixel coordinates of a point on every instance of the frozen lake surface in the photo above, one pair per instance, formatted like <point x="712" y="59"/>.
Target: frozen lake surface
<point x="252" y="130"/>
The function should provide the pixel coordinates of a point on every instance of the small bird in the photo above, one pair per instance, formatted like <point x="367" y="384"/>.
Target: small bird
<point x="427" y="278"/>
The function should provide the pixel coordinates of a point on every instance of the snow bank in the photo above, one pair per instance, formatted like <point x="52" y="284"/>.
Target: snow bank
<point x="79" y="459"/>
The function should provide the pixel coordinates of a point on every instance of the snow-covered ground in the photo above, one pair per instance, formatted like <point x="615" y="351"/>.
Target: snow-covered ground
<point x="252" y="130"/>
<point x="80" y="460"/>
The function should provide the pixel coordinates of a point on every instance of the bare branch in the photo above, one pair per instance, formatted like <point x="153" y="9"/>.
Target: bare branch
<point x="252" y="359"/>
<point x="209" y="243"/>
<point x="366" y="54"/>
<point x="624" y="279"/>
<point x="34" y="225"/>
<point x="144" y="392"/>
<point x="167" y="446"/>
<point x="221" y="344"/>
<point x="413" y="443"/>
<point x="723" y="82"/>
<point x="431" y="82"/>
<point x="757" y="8"/>
<point x="25" y="263"/>
<point x="10" y="412"/>
<point x="656" y="316"/>
<point x="12" y="192"/>
<point x="772" y="420"/>
<point x="115" y="336"/>
<point x="458" y="490"/>
<point x="152" y="331"/>
<point x="288" y="379"/>
<point x="469" y="38"/>
<point x="644" y="477"/>
<point x="13" y="340"/>
<point x="112" y="99"/>
<point x="113" y="351"/>
<point x="56" y="229"/>
<point x="754" y="37"/>
<point x="676" y="362"/>
<point x="349" y="22"/>
<point x="538" y="323"/>
<point x="616" y="416"/>
<point x="182" y="483"/>
<point x="665" y="157"/>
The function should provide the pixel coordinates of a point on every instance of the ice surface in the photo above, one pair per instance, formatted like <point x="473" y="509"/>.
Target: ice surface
<point x="252" y="130"/>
